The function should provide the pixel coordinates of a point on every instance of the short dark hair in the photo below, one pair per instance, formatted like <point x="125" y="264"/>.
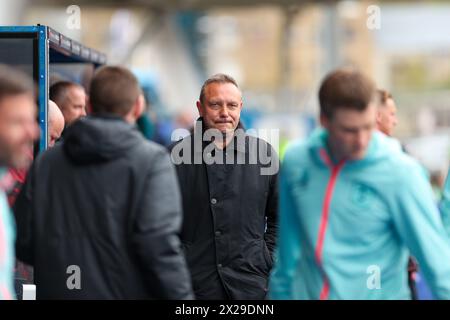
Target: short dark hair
<point x="58" y="91"/>
<point x="14" y="82"/>
<point x="383" y="96"/>
<point x="114" y="89"/>
<point x="217" y="78"/>
<point x="345" y="89"/>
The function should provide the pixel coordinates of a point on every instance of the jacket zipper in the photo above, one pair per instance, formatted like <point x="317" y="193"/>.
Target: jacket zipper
<point x="335" y="170"/>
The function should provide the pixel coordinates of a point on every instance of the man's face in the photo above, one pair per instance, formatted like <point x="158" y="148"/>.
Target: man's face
<point x="18" y="130"/>
<point x="74" y="106"/>
<point x="350" y="132"/>
<point x="221" y="108"/>
<point x="387" y="117"/>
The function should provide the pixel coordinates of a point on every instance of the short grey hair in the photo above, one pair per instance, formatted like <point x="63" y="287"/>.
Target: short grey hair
<point x="217" y="78"/>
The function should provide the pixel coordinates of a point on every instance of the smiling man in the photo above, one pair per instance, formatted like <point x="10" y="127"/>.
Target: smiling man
<point x="229" y="203"/>
<point x="352" y="208"/>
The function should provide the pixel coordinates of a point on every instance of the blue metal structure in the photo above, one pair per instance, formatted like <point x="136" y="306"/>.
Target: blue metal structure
<point x="45" y="46"/>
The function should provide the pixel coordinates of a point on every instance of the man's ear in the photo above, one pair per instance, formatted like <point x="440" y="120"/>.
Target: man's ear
<point x="139" y="107"/>
<point x="378" y="116"/>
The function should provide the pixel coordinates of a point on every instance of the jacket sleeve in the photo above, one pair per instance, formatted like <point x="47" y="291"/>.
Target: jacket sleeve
<point x="419" y="225"/>
<point x="23" y="213"/>
<point x="287" y="252"/>
<point x="156" y="233"/>
<point x="445" y="205"/>
<point x="272" y="214"/>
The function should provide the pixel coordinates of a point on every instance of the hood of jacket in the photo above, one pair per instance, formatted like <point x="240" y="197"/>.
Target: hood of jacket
<point x="99" y="138"/>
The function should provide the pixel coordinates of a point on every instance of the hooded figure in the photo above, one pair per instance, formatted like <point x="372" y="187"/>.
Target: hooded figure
<point x="100" y="212"/>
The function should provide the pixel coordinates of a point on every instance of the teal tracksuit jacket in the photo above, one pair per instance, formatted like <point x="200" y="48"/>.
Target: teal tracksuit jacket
<point x="347" y="229"/>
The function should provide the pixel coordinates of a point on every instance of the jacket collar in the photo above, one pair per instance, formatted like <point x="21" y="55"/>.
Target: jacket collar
<point x="380" y="146"/>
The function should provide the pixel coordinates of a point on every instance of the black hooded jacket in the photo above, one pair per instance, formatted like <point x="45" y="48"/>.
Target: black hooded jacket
<point x="99" y="217"/>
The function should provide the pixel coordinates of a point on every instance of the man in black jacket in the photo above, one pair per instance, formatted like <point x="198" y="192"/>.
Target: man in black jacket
<point x="100" y="213"/>
<point x="228" y="183"/>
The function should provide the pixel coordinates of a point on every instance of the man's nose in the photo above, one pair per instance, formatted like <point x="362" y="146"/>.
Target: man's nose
<point x="224" y="112"/>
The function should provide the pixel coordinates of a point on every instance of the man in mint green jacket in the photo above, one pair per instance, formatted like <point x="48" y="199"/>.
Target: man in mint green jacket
<point x="353" y="207"/>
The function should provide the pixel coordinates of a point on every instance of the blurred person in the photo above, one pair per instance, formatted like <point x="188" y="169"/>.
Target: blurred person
<point x="230" y="206"/>
<point x="110" y="206"/>
<point x="145" y="123"/>
<point x="352" y="210"/>
<point x="18" y="130"/>
<point x="24" y="273"/>
<point x="15" y="177"/>
<point x="146" y="126"/>
<point x="184" y="119"/>
<point x="437" y="180"/>
<point x="386" y="123"/>
<point x="70" y="97"/>
<point x="386" y="113"/>
<point x="55" y="123"/>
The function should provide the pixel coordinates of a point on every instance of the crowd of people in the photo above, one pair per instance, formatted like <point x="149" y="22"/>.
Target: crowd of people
<point x="104" y="213"/>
